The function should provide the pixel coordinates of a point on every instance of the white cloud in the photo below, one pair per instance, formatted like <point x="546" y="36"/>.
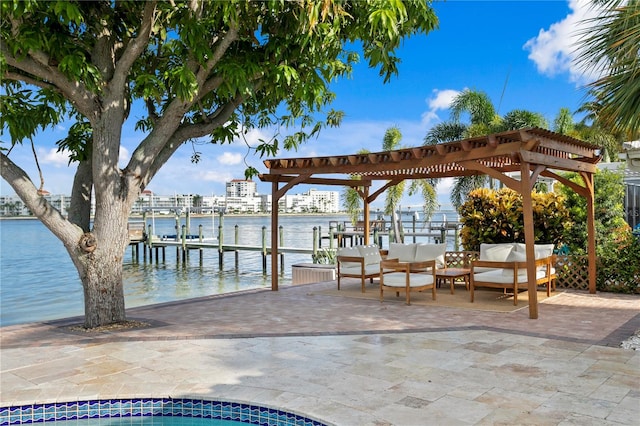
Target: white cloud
<point x="216" y="176"/>
<point x="254" y="137"/>
<point x="439" y="101"/>
<point x="553" y="50"/>
<point x="53" y="157"/>
<point x="229" y="158"/>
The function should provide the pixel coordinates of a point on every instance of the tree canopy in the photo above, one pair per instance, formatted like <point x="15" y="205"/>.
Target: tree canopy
<point x="199" y="69"/>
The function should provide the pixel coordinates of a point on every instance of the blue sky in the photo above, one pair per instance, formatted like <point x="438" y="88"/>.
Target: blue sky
<point x="518" y="52"/>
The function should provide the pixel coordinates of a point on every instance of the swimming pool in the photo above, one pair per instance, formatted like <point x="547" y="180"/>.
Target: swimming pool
<point x="157" y="411"/>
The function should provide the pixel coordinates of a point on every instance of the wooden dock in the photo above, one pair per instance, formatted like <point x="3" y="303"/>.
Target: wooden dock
<point x="338" y="236"/>
<point x="157" y="246"/>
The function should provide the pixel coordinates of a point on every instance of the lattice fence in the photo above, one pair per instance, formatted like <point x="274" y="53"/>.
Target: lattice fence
<point x="572" y="272"/>
<point x="460" y="259"/>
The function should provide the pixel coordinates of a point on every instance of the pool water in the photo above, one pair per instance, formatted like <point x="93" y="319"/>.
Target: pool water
<point x="150" y="421"/>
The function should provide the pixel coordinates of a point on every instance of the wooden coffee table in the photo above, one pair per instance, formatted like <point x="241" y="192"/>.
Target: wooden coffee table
<point x="452" y="274"/>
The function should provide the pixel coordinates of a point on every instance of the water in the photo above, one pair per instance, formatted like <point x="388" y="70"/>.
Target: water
<point x="39" y="282"/>
<point x="148" y="421"/>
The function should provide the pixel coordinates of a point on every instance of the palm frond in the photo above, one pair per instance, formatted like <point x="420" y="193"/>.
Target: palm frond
<point x="392" y="138"/>
<point x="394" y="195"/>
<point x="609" y="46"/>
<point x="447" y="131"/>
<point x="352" y="202"/>
<point x="463" y="185"/>
<point x="475" y="103"/>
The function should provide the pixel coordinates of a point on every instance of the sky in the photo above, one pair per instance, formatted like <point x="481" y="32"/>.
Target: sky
<point x="518" y="52"/>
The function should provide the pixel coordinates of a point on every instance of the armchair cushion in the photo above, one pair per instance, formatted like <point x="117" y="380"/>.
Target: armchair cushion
<point x="431" y="252"/>
<point x="348" y="252"/>
<point x="357" y="270"/>
<point x="399" y="279"/>
<point x="371" y="254"/>
<point x="402" y="252"/>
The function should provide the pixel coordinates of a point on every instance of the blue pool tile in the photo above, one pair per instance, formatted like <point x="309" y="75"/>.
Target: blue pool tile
<point x="49" y="413"/>
<point x="113" y="408"/>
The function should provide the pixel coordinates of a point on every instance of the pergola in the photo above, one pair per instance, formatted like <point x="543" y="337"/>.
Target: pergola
<point x="530" y="152"/>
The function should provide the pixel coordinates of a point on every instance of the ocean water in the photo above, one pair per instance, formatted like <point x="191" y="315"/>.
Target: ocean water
<point x="38" y="281"/>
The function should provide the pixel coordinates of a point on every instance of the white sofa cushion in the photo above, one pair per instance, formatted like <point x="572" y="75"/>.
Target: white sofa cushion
<point x="371" y="254"/>
<point x="398" y="279"/>
<point x="495" y="252"/>
<point x="402" y="252"/>
<point x="431" y="252"/>
<point x="515" y="256"/>
<point x="543" y="250"/>
<point x="499" y="276"/>
<point x="519" y="247"/>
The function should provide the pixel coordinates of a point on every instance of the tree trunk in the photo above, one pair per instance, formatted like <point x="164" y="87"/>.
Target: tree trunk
<point x="103" y="291"/>
<point x="100" y="263"/>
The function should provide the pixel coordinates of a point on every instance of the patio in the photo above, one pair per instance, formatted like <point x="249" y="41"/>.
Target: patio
<point x="348" y="361"/>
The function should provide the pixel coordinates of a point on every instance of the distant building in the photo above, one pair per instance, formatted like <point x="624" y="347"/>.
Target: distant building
<point x="313" y="201"/>
<point x="241" y="188"/>
<point x="12" y="205"/>
<point x="172" y="204"/>
<point x="241" y="197"/>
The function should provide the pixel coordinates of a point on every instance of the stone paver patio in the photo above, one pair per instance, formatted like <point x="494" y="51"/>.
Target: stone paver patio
<point x="348" y="361"/>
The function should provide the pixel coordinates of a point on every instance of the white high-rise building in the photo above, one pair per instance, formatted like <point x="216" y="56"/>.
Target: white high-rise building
<point x="241" y="188"/>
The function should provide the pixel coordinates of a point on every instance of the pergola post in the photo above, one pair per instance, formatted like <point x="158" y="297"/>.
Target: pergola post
<point x="591" y="229"/>
<point x="275" y="198"/>
<point x="365" y="213"/>
<point x="529" y="239"/>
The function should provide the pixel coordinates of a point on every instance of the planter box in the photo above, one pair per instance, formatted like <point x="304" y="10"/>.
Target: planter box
<point x="305" y="273"/>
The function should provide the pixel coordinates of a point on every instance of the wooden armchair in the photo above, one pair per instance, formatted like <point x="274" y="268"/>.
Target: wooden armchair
<point x="361" y="262"/>
<point x="407" y="276"/>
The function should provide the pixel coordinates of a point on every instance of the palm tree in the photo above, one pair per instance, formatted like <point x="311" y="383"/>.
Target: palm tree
<point x="477" y="104"/>
<point x="351" y="200"/>
<point x="483" y="121"/>
<point x="391" y="141"/>
<point x="353" y="203"/>
<point x="519" y="118"/>
<point x="609" y="46"/>
<point x="596" y="133"/>
<point x="563" y="123"/>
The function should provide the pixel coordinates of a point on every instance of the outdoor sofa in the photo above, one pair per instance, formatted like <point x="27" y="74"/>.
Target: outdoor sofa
<point x="505" y="266"/>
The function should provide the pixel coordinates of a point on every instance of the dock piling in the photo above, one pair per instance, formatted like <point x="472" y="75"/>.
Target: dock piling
<point x="264" y="249"/>
<point x="236" y="241"/>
